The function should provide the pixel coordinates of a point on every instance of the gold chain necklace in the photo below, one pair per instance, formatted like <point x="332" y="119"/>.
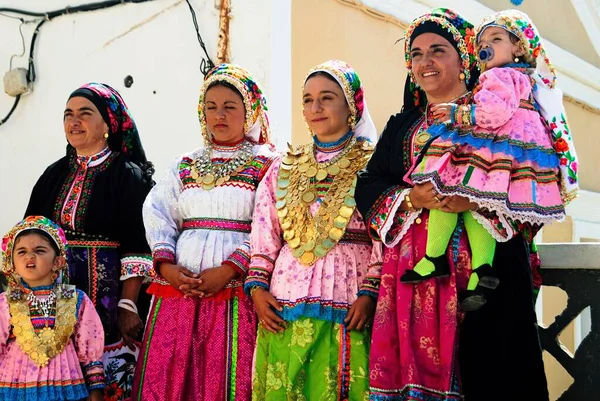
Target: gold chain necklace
<point x="312" y="237"/>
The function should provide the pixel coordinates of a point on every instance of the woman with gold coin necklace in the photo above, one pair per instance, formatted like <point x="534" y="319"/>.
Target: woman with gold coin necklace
<point x="314" y="272"/>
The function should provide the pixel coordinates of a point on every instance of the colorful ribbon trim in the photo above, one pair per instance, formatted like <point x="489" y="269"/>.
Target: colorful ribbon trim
<point x="203" y="223"/>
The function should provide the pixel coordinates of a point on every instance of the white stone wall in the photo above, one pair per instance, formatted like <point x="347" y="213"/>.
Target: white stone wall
<point x="156" y="44"/>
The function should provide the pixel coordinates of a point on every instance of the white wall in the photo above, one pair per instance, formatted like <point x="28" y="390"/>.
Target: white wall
<point x="153" y="42"/>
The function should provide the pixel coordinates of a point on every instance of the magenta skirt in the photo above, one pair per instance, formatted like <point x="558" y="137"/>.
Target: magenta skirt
<point x="195" y="349"/>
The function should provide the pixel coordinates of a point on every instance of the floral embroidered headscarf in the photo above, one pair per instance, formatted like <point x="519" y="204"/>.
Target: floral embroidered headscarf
<point x="30" y="223"/>
<point x="256" y="125"/>
<point x="361" y="122"/>
<point x="519" y="24"/>
<point x="123" y="135"/>
<point x="454" y="28"/>
<point x="548" y="97"/>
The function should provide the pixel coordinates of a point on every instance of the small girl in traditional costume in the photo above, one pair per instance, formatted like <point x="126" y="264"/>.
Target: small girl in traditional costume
<point x="51" y="338"/>
<point x="509" y="151"/>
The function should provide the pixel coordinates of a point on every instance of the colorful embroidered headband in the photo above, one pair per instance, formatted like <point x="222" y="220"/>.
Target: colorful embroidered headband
<point x="347" y="78"/>
<point x="256" y="125"/>
<point x="31" y="223"/>
<point x="520" y="25"/>
<point x="461" y="31"/>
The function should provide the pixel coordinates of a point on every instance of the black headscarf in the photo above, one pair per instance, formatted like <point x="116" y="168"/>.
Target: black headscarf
<point x="123" y="135"/>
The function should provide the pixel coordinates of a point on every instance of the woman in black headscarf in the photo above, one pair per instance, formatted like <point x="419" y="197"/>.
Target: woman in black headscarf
<point x="95" y="193"/>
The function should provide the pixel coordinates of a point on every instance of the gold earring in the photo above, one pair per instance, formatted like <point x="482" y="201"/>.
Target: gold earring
<point x="106" y="135"/>
<point x="54" y="276"/>
<point x="462" y="76"/>
<point x="351" y="123"/>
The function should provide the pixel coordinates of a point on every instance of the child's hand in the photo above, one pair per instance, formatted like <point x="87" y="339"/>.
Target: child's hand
<point x="442" y="112"/>
<point x="96" y="395"/>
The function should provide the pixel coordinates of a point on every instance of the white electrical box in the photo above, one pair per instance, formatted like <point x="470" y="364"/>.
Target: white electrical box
<point x="15" y="82"/>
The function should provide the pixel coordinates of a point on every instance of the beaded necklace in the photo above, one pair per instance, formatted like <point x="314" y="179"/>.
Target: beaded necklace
<point x="210" y="174"/>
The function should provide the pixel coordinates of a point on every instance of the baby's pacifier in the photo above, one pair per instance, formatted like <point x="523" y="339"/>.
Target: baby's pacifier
<point x="486" y="54"/>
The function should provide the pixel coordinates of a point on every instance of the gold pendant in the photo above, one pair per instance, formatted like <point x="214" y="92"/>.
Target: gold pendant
<point x="336" y="234"/>
<point x="208" y="179"/>
<point x="340" y="222"/>
<point x="294" y="243"/>
<point x="423" y="138"/>
<point x="308" y="197"/>
<point x="344" y="162"/>
<point x="346" y="211"/>
<point x="221" y="181"/>
<point x="320" y="251"/>
<point x="307" y="258"/>
<point x="321" y="174"/>
<point x="349" y="201"/>
<point x="46" y="335"/>
<point x="333" y="169"/>
<point x="311" y="172"/>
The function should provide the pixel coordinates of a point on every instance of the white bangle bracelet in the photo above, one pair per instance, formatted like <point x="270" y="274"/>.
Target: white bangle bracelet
<point x="128" y="305"/>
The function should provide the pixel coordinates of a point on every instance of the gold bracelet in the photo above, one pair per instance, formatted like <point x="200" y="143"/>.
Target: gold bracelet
<point x="409" y="203"/>
<point x="253" y="289"/>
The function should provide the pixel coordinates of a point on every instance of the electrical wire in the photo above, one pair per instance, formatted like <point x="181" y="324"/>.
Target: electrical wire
<point x="14" y="106"/>
<point x="206" y="64"/>
<point x="22" y="44"/>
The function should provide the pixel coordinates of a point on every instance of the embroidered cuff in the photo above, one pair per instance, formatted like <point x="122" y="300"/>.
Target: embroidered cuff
<point x="379" y="211"/>
<point x="239" y="260"/>
<point x="253" y="283"/>
<point x="463" y="115"/>
<point x="259" y="273"/>
<point x="370" y="287"/>
<point x="162" y="252"/>
<point x="396" y="222"/>
<point x="136" y="266"/>
<point x="94" y="375"/>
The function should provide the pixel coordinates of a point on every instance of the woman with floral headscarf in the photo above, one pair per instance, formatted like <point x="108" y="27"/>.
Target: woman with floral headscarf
<point x="497" y="152"/>
<point x="314" y="271"/>
<point x="95" y="193"/>
<point x="424" y="346"/>
<point x="201" y="331"/>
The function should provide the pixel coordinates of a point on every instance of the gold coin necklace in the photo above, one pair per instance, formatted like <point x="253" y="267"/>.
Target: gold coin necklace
<point x="48" y="342"/>
<point x="312" y="237"/>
